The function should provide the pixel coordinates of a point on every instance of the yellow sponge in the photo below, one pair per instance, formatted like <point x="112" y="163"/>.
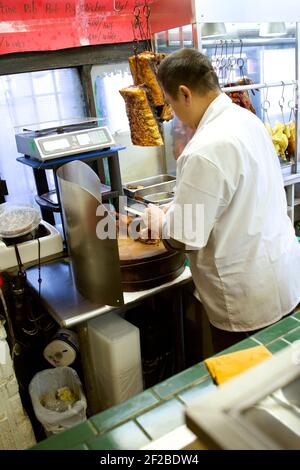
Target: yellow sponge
<point x="223" y="368"/>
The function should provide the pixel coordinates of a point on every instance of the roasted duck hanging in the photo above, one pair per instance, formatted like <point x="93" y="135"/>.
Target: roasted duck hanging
<point x="242" y="98"/>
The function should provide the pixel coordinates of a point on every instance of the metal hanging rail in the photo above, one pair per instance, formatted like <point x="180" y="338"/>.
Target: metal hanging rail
<point x="256" y="86"/>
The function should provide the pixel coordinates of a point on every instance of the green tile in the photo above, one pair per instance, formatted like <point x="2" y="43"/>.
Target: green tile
<point x="294" y="336"/>
<point x="245" y="344"/>
<point x="297" y="315"/>
<point x="276" y="331"/>
<point x="124" y="411"/>
<point x="190" y="397"/>
<point x="276" y="346"/>
<point x="162" y="419"/>
<point x="180" y="381"/>
<point x="67" y="439"/>
<point x="127" y="436"/>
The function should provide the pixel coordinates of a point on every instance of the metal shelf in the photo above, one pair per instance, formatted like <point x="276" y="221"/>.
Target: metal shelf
<point x="40" y="168"/>
<point x="56" y="162"/>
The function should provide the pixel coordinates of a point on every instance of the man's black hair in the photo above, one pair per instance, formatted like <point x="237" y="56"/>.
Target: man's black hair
<point x="187" y="67"/>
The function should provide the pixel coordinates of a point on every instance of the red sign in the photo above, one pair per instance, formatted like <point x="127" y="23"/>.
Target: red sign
<point x="38" y="25"/>
<point x="168" y="14"/>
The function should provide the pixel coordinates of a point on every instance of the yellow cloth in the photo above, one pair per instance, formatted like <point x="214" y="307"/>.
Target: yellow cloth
<point x="223" y="368"/>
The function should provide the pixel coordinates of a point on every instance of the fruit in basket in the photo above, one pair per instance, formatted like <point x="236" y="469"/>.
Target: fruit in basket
<point x="280" y="134"/>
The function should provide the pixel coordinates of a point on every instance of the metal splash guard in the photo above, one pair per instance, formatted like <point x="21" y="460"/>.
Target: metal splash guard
<point x="95" y="262"/>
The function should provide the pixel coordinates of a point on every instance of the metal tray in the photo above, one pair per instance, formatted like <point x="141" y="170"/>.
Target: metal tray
<point x="167" y="187"/>
<point x="159" y="198"/>
<point x="155" y="181"/>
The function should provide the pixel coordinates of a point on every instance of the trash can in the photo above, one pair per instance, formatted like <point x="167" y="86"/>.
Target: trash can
<point x="58" y="399"/>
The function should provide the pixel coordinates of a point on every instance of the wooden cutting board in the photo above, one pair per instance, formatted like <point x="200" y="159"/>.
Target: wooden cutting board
<point x="146" y="266"/>
<point x="131" y="250"/>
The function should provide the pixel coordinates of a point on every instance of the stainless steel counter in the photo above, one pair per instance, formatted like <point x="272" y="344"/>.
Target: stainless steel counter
<point x="63" y="301"/>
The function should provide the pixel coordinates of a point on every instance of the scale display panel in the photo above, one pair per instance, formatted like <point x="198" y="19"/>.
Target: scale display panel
<point x="45" y="146"/>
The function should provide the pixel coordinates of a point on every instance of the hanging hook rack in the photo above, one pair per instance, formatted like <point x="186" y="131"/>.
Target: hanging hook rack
<point x="217" y="57"/>
<point x="281" y="102"/>
<point x="216" y="48"/>
<point x="214" y="58"/>
<point x="240" y="61"/>
<point x="232" y="59"/>
<point x="136" y="26"/>
<point x="137" y="23"/>
<point x="292" y="103"/>
<point x="231" y="63"/>
<point x="221" y="62"/>
<point x="147" y="13"/>
<point x="265" y="106"/>
<point x="255" y="86"/>
<point x="224" y="62"/>
<point x="227" y="68"/>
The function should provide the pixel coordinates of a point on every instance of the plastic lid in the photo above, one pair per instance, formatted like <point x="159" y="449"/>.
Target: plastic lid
<point x="59" y="353"/>
<point x="17" y="220"/>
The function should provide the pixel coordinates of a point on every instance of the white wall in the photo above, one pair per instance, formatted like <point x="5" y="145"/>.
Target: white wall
<point x="139" y="162"/>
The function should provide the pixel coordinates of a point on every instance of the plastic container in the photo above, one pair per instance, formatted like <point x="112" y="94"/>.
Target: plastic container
<point x="17" y="220"/>
<point x="115" y="351"/>
<point x="43" y="390"/>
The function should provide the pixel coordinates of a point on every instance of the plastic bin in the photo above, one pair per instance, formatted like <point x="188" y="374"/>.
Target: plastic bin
<point x="116" y="358"/>
<point x="45" y="385"/>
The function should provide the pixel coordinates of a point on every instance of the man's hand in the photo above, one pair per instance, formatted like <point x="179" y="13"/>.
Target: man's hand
<point x="166" y="207"/>
<point x="154" y="218"/>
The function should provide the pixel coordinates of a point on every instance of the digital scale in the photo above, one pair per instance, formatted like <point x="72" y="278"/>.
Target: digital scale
<point x="46" y="143"/>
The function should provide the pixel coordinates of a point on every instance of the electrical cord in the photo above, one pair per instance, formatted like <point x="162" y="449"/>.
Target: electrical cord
<point x="39" y="266"/>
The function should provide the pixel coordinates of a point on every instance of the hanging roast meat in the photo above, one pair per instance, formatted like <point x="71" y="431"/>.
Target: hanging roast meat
<point x="143" y="69"/>
<point x="145" y="104"/>
<point x="242" y="98"/>
<point x="144" y="125"/>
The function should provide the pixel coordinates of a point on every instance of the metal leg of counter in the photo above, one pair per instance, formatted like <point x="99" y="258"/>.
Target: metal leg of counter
<point x="87" y="369"/>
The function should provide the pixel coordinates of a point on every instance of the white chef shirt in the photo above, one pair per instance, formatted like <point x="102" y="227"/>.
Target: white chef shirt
<point x="246" y="268"/>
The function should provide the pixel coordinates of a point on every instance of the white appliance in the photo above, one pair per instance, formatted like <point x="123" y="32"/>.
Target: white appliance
<point x="50" y="245"/>
<point x="116" y="358"/>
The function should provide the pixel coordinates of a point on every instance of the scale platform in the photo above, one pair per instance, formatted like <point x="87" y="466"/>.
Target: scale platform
<point x="56" y="139"/>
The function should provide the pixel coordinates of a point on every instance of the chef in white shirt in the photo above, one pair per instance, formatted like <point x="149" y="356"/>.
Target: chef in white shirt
<point x="243" y="253"/>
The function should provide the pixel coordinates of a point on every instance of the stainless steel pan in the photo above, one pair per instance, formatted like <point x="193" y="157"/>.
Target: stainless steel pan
<point x="157" y="182"/>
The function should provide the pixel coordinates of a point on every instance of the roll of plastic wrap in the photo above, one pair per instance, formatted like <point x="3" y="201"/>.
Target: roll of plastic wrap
<point x="63" y="348"/>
